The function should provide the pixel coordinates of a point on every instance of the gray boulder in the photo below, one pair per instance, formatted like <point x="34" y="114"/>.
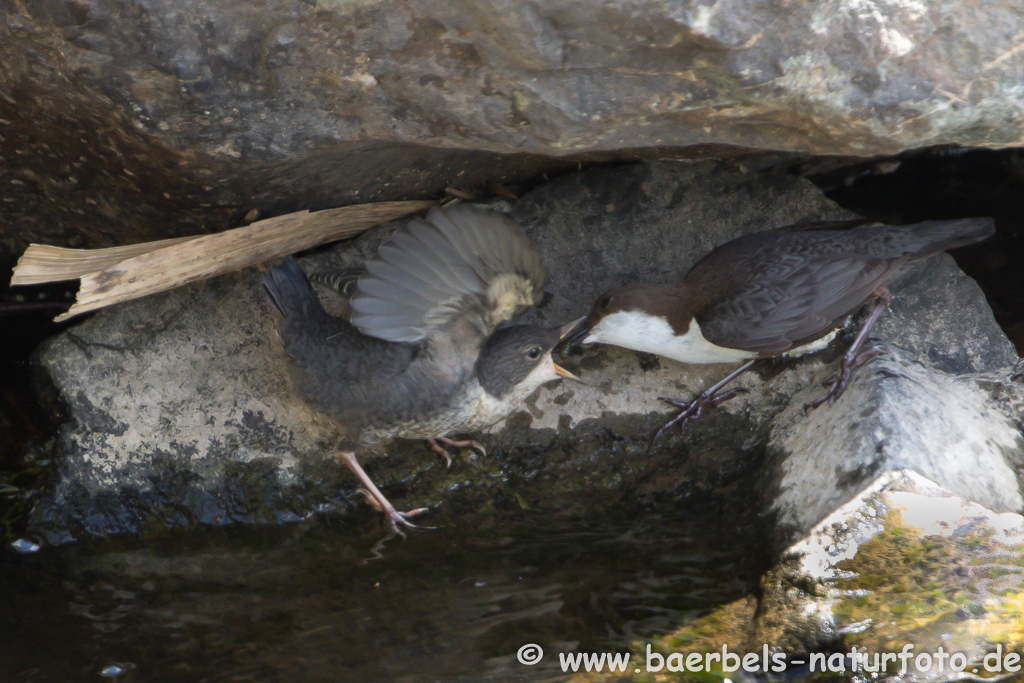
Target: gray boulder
<point x="180" y="411"/>
<point x="551" y="78"/>
<point x="132" y="121"/>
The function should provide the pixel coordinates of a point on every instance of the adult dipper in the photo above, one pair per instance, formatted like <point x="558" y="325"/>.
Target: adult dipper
<point x="782" y="292"/>
<point x="419" y="355"/>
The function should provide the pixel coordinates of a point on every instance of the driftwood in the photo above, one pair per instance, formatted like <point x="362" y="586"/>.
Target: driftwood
<point x="110" y="276"/>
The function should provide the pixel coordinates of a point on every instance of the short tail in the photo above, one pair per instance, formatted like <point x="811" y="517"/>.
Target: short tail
<point x="289" y="290"/>
<point x="933" y="237"/>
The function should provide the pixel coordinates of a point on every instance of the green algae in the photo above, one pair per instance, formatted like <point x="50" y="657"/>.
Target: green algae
<point x="926" y="590"/>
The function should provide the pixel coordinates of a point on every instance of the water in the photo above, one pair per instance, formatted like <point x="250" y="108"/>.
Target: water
<point x="328" y="600"/>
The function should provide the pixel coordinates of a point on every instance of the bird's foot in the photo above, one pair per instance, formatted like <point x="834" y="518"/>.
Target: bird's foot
<point x="435" y="445"/>
<point x="396" y="519"/>
<point x="691" y="410"/>
<point x="377" y="500"/>
<point x="837" y="383"/>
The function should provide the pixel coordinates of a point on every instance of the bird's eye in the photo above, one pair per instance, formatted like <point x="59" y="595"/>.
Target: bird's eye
<point x="606" y="301"/>
<point x="533" y="353"/>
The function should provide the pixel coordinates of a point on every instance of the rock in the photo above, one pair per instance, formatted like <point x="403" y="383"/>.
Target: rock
<point x="146" y="120"/>
<point x="180" y="411"/>
<point x="895" y="415"/>
<point x="906" y="566"/>
<point x="926" y="405"/>
<point x="551" y="78"/>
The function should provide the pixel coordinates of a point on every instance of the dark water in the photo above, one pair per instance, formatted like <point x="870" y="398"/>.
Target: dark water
<point x="328" y="601"/>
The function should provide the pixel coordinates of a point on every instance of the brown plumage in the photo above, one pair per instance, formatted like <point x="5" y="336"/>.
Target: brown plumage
<point x="770" y="293"/>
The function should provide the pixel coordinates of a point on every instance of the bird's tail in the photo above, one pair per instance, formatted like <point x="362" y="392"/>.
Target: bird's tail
<point x="932" y="237"/>
<point x="291" y="293"/>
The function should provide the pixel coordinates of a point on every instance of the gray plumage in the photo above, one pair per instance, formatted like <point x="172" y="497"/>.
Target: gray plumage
<point x="461" y="267"/>
<point x="408" y="362"/>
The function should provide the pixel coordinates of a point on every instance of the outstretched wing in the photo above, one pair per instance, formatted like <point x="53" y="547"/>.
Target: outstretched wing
<point x="461" y="264"/>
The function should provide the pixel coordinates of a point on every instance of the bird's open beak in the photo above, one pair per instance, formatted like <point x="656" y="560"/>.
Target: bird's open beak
<point x="565" y="373"/>
<point x="571" y="336"/>
<point x="562" y="332"/>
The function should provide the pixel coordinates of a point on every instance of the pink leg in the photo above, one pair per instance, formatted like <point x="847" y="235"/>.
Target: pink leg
<point x="379" y="502"/>
<point x="452" y="443"/>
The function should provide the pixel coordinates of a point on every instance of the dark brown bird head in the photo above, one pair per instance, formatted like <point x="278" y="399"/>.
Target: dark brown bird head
<point x="618" y="312"/>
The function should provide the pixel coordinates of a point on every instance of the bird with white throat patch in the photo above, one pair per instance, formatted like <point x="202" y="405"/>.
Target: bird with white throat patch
<point x="780" y="292"/>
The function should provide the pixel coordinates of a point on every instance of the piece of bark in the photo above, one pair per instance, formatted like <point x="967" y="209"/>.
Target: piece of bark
<point x="110" y="276"/>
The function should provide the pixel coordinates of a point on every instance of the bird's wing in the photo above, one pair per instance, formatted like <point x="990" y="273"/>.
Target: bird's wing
<point x="462" y="264"/>
<point x="797" y="296"/>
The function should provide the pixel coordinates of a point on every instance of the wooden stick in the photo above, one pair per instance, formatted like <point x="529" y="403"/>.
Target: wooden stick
<point x="42" y="263"/>
<point x="111" y="276"/>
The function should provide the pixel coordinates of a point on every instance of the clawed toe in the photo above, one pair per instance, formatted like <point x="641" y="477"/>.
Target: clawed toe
<point x="478" y="447"/>
<point x="869" y="352"/>
<point x="397" y="519"/>
<point x="830" y="396"/>
<point x="452" y="443"/>
<point x="437" y="448"/>
<point x="370" y="500"/>
<point x="688" y="411"/>
<point x="691" y="410"/>
<point x="728" y="395"/>
<point x="377" y="500"/>
<point x="836" y="384"/>
<point x="683" y="405"/>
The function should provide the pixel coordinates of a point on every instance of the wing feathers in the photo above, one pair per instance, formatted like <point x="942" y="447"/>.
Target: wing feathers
<point x="460" y="263"/>
<point x="776" y="313"/>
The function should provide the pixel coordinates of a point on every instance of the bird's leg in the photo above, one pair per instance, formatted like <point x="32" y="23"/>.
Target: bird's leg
<point x="452" y="443"/>
<point x="693" y="409"/>
<point x="381" y="503"/>
<point x="858" y="354"/>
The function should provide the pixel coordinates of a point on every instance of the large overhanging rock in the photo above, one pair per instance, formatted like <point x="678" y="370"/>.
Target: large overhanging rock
<point x="132" y="121"/>
<point x="546" y="77"/>
<point x="181" y="413"/>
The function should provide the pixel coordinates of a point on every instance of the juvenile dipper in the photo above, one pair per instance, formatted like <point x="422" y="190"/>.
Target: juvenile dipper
<point x="782" y="292"/>
<point x="419" y="355"/>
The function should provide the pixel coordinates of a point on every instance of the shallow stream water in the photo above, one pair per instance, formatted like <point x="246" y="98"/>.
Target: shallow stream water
<point x="329" y="600"/>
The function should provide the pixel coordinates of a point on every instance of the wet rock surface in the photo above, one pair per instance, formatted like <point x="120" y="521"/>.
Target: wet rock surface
<point x="181" y="413"/>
